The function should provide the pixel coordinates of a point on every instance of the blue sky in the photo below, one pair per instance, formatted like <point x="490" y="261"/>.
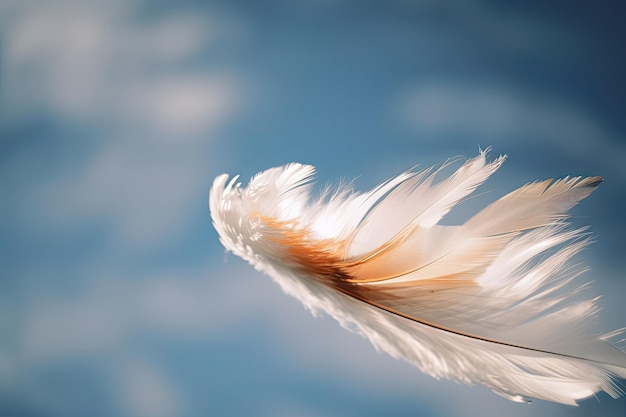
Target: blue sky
<point x="116" y="297"/>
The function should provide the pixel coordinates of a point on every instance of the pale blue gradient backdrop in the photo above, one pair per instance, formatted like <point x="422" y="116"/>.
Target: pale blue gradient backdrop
<point x="116" y="297"/>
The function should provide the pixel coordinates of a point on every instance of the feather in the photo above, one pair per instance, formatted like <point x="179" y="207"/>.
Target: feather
<point x="491" y="301"/>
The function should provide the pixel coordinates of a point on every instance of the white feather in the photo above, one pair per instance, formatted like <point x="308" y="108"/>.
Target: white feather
<point x="489" y="302"/>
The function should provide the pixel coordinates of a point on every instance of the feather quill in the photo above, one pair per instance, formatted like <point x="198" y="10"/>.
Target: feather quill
<point x="490" y="302"/>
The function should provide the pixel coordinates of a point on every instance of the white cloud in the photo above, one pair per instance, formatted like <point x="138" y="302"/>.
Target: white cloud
<point x="141" y="190"/>
<point x="179" y="105"/>
<point x="146" y="391"/>
<point x="437" y="107"/>
<point x="492" y="114"/>
<point x="66" y="328"/>
<point x="98" y="63"/>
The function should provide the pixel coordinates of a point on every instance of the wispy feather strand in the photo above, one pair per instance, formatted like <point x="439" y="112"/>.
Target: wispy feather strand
<point x="487" y="302"/>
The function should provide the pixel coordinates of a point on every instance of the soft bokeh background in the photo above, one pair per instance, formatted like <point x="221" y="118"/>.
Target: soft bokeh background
<point x="116" y="298"/>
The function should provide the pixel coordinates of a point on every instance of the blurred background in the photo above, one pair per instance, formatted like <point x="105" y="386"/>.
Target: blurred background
<point x="116" y="298"/>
